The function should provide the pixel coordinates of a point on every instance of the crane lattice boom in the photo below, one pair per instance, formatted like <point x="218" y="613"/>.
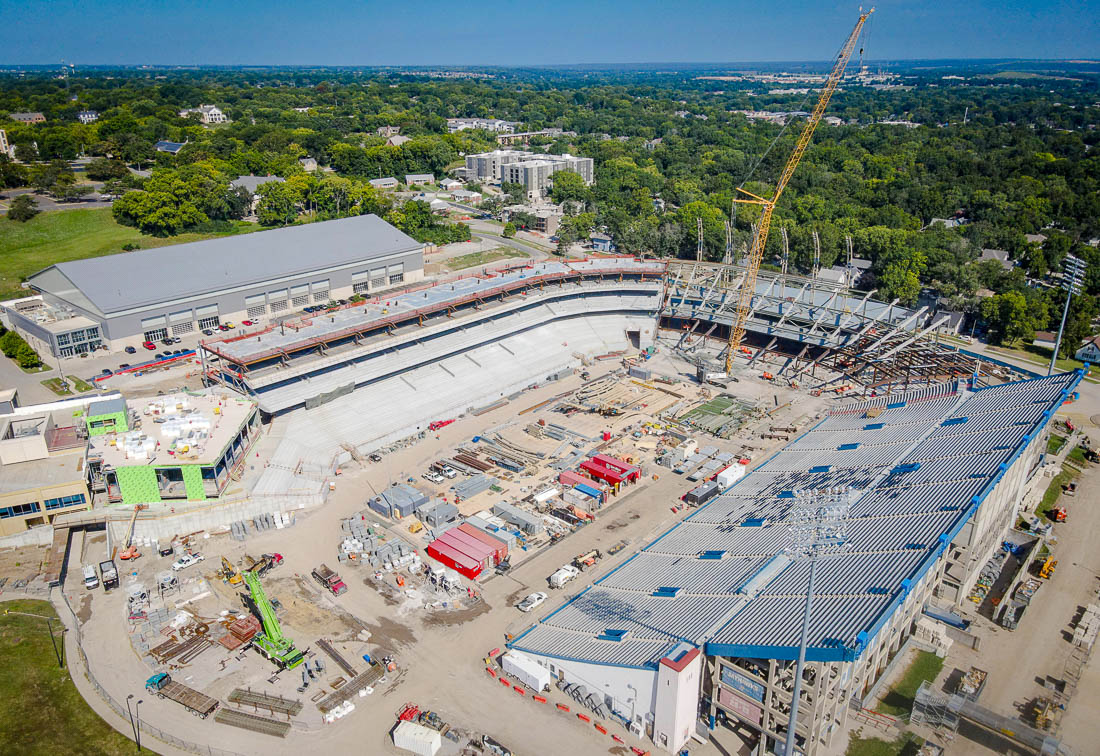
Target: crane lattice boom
<point x="756" y="254"/>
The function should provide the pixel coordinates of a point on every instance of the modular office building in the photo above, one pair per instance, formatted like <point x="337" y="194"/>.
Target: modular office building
<point x="931" y="481"/>
<point x="147" y="295"/>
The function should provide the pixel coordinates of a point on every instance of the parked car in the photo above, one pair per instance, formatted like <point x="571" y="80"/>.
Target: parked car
<point x="531" y="601"/>
<point x="176" y="339"/>
<point x="230" y="325"/>
<point x="186" y="561"/>
<point x="247" y="323"/>
<point x="149" y="345"/>
<point x="223" y="327"/>
<point x="130" y="350"/>
<point x="433" y="477"/>
<point x="124" y="366"/>
<point x="166" y="341"/>
<point x="207" y="332"/>
<point x="448" y="471"/>
<point x="107" y="371"/>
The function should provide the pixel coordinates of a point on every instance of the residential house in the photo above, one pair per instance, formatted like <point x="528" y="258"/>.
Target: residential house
<point x="449" y="184"/>
<point x="170" y="147"/>
<point x="1035" y="238"/>
<point x="384" y="183"/>
<point x="1045" y="339"/>
<point x="601" y="243"/>
<point x="397" y="140"/>
<point x="388" y="131"/>
<point x="954" y="323"/>
<point x="308" y="164"/>
<point x="466" y="197"/>
<point x="253" y="184"/>
<point x="652" y="144"/>
<point x="5" y="148"/>
<point x="1089" y="351"/>
<point x="87" y="116"/>
<point x="999" y="255"/>
<point x="208" y="114"/>
<point x="27" y="117"/>
<point x="301" y="110"/>
<point x="419" y="179"/>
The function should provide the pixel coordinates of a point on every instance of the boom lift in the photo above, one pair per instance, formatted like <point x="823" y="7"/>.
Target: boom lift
<point x="131" y="550"/>
<point x="270" y="641"/>
<point x="748" y="286"/>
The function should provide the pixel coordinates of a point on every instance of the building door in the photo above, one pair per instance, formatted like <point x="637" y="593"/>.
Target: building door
<point x="156" y="334"/>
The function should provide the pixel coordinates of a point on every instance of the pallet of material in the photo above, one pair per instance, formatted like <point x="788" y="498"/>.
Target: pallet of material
<point x="351" y="689"/>
<point x="253" y="722"/>
<point x="255" y="699"/>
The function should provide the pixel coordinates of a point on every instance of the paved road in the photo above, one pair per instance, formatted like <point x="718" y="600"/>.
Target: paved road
<point x="48" y="204"/>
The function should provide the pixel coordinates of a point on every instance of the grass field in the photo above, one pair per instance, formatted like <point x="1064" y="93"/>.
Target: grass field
<point x="482" y="258"/>
<point x="43" y="713"/>
<point x="1039" y="356"/>
<point x="54" y="237"/>
<point x="906" y="745"/>
<point x="1053" y="493"/>
<point x="1055" y="443"/>
<point x="898" y="702"/>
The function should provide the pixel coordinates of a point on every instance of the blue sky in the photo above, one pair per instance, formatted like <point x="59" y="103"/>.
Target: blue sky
<point x="482" y="32"/>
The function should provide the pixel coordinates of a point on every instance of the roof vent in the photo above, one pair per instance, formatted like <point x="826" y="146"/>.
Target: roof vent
<point x="666" y="591"/>
<point x="611" y="634"/>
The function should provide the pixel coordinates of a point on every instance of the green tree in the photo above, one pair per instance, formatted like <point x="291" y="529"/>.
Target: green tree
<point x="277" y="206"/>
<point x="9" y="343"/>
<point x="568" y="186"/>
<point x="23" y="208"/>
<point x="71" y="192"/>
<point x="1009" y="318"/>
<point x="11" y="174"/>
<point x="160" y="213"/>
<point x="509" y="230"/>
<point x="102" y="169"/>
<point x="516" y="194"/>
<point x="26" y="357"/>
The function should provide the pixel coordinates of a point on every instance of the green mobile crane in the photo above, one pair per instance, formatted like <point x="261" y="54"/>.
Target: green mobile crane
<point x="270" y="641"/>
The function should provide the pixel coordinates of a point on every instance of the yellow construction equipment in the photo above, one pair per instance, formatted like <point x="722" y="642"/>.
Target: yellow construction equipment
<point x="748" y="286"/>
<point x="230" y="573"/>
<point x="1049" y="566"/>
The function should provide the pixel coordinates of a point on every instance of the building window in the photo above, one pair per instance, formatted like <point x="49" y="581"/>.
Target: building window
<point x="255" y="312"/>
<point x="300" y="301"/>
<point x="63" y="339"/>
<point x="320" y="296"/>
<point x="379" y="282"/>
<point x="18" y="510"/>
<point x="209" y="322"/>
<point x="278" y="306"/>
<point x="181" y="328"/>
<point x="397" y="278"/>
<point x="65" y="501"/>
<point x="156" y="334"/>
<point x="93" y="333"/>
<point x="77" y="336"/>
<point x="66" y="351"/>
<point x="361" y="288"/>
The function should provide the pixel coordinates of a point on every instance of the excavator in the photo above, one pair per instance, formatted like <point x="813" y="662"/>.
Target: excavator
<point x="130" y="551"/>
<point x="270" y="641"/>
<point x="229" y="573"/>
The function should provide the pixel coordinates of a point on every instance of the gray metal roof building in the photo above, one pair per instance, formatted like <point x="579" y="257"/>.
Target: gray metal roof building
<point x="933" y="478"/>
<point x="187" y="287"/>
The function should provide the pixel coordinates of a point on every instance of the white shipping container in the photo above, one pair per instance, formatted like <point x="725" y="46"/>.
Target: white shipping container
<point x="419" y="739"/>
<point x="526" y="670"/>
<point x="730" y="475"/>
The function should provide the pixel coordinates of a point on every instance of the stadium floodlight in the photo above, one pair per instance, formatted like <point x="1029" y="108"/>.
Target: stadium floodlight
<point x="1073" y="273"/>
<point x="818" y="530"/>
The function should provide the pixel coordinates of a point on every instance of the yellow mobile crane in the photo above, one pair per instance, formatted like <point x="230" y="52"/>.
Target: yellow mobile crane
<point x="756" y="254"/>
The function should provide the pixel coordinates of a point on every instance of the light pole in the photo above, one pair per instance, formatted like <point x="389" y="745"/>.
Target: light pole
<point x="1073" y="270"/>
<point x="137" y="727"/>
<point x="49" y="628"/>
<point x="818" y="527"/>
<point x="131" y="713"/>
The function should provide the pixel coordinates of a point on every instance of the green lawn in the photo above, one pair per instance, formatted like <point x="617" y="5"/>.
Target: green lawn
<point x="1055" y="443"/>
<point x="1077" y="456"/>
<point x="481" y="258"/>
<point x="43" y="713"/>
<point x="54" y="237"/>
<point x="1037" y="355"/>
<point x="907" y="744"/>
<point x="899" y="701"/>
<point x="1053" y="493"/>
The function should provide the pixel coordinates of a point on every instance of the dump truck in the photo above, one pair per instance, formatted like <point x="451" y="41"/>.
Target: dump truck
<point x="109" y="574"/>
<point x="329" y="580"/>
<point x="164" y="686"/>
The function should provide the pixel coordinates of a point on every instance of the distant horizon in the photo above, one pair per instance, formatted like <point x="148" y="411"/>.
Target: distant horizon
<point x="686" y="64"/>
<point x="371" y="33"/>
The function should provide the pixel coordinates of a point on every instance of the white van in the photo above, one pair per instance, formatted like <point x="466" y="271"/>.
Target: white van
<point x="91" y="579"/>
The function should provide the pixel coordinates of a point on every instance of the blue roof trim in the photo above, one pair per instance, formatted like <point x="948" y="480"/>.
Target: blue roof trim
<point x="847" y="447"/>
<point x="813" y="653"/>
<point x="613" y="635"/>
<point x="712" y="554"/>
<point x="820" y="468"/>
<point x="753" y="522"/>
<point x="666" y="591"/>
<point x="874" y="426"/>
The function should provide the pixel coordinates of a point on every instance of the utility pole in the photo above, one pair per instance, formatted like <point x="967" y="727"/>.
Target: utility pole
<point x="1073" y="271"/>
<point x="49" y="627"/>
<point x="819" y="530"/>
